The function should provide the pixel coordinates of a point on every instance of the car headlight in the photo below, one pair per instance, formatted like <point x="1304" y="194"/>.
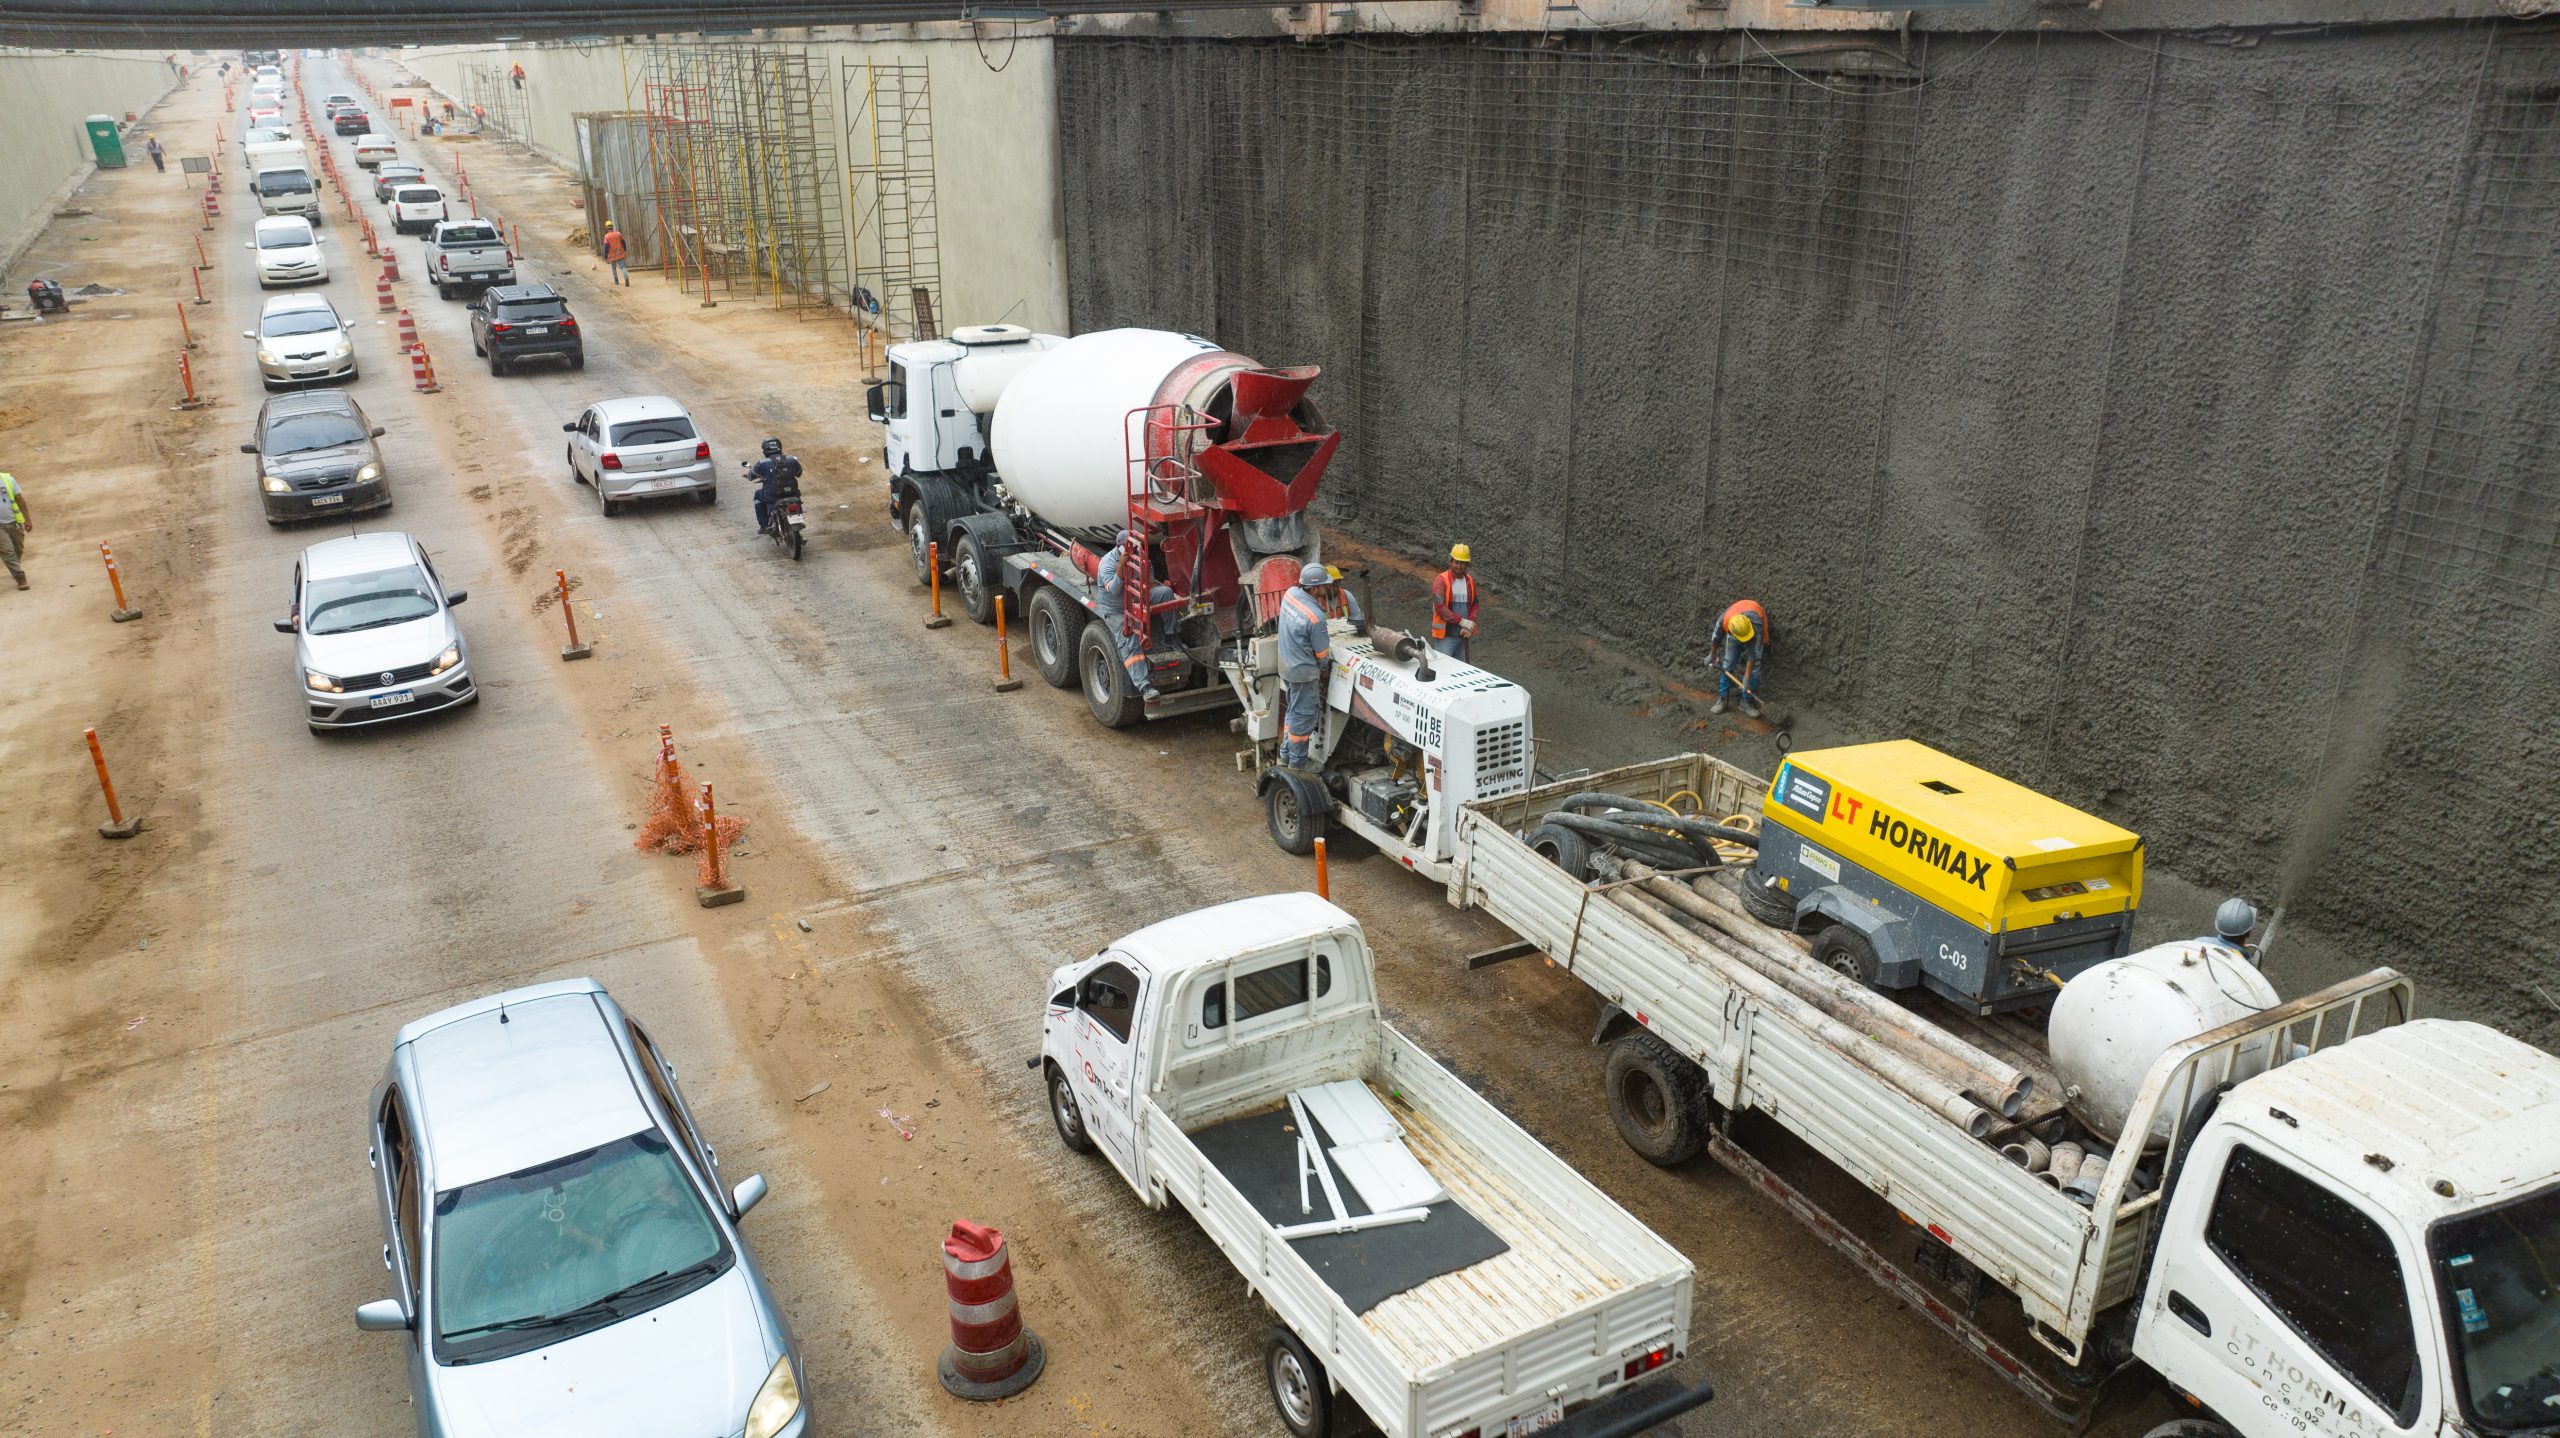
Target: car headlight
<point x="368" y="473"/>
<point x="322" y="682"/>
<point x="777" y="1403"/>
<point x="273" y="485"/>
<point x="268" y="356"/>
<point x="451" y="656"/>
<point x="341" y="349"/>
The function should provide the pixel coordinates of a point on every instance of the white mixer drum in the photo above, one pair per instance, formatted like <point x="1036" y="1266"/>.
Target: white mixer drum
<point x="1063" y="428"/>
<point x="2112" y="1022"/>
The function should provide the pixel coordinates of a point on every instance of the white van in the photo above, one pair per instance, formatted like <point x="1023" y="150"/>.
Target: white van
<point x="287" y="189"/>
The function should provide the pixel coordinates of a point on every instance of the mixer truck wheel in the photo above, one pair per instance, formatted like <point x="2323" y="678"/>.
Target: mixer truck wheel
<point x="1658" y="1099"/>
<point x="1055" y="627"/>
<point x="1847" y="950"/>
<point x="919" y="548"/>
<point x="969" y="574"/>
<point x="1106" y="684"/>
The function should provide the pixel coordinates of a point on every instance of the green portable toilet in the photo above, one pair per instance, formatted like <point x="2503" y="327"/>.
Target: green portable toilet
<point x="105" y="142"/>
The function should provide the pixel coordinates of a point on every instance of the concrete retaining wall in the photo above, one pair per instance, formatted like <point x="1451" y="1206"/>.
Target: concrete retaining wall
<point x="2170" y="426"/>
<point x="995" y="155"/>
<point x="44" y="154"/>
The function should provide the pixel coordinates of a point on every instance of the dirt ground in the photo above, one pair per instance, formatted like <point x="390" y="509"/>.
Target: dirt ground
<point x="191" y="1020"/>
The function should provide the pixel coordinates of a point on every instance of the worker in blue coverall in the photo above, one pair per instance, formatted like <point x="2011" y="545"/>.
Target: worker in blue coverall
<point x="1110" y="600"/>
<point x="1306" y="652"/>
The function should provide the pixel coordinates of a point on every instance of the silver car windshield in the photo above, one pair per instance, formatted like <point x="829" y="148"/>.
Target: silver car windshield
<point x="298" y="322"/>
<point x="351" y="602"/>
<point x="2501" y="1274"/>
<point x="569" y="1245"/>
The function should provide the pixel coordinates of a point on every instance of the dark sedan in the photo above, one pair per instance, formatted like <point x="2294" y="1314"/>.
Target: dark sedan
<point x="317" y="457"/>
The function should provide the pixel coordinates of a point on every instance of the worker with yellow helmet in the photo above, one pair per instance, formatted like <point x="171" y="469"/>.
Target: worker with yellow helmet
<point x="1736" y="654"/>
<point x="1456" y="595"/>
<point x="1341" y="604"/>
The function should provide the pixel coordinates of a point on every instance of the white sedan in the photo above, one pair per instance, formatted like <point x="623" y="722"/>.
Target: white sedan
<point x="288" y="252"/>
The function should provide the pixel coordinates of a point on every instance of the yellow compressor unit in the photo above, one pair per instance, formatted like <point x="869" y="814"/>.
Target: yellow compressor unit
<point x="1913" y="869"/>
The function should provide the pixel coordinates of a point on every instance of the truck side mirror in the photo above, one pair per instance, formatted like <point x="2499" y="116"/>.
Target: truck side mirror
<point x="879" y="401"/>
<point x="248" y="449"/>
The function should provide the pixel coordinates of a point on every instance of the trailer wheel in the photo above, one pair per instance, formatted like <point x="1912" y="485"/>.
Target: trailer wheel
<point x="970" y="573"/>
<point x="1296" y="816"/>
<point x="2189" y="1428"/>
<point x="1845" y="949"/>
<point x="1772" y="906"/>
<point x="1055" y="627"/>
<point x="1657" y="1098"/>
<point x="1563" y="848"/>
<point x="1106" y="684"/>
<point x="1299" y="1388"/>
<point x="919" y="546"/>
<point x="1064" y="1113"/>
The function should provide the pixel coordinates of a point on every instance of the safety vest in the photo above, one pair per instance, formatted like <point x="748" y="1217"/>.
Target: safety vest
<point x="1759" y="619"/>
<point x="613" y="245"/>
<point x="9" y="491"/>
<point x="1453" y="596"/>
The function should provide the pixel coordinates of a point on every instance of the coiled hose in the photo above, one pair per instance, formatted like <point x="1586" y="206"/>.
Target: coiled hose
<point x="1647" y="831"/>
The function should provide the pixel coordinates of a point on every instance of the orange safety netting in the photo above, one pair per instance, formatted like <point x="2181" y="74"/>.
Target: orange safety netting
<point x="674" y="825"/>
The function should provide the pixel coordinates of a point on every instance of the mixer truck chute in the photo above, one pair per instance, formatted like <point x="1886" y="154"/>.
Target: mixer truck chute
<point x="1017" y="458"/>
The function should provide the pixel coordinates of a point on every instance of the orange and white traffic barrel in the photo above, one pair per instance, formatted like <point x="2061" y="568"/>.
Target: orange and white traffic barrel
<point x="992" y="1355"/>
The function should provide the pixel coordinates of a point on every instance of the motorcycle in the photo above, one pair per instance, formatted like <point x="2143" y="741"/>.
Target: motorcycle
<point x="784" y="523"/>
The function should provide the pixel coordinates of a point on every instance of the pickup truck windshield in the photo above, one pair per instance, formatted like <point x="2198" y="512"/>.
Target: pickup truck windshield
<point x="569" y="1245"/>
<point x="2500" y="1269"/>
<point x="464" y="236"/>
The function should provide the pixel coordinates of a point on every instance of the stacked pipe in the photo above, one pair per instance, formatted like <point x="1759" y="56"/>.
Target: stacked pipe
<point x="2075" y="1167"/>
<point x="1649" y="832"/>
<point x="1931" y="1066"/>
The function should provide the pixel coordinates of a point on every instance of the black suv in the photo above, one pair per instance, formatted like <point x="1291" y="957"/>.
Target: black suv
<point x="514" y="322"/>
<point x="317" y="457"/>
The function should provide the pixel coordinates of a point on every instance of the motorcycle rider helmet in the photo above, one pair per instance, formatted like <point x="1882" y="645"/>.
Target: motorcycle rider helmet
<point x="772" y="448"/>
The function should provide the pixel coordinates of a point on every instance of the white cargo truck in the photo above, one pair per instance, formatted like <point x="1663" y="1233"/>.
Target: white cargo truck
<point x="1430" y="1265"/>
<point x="2316" y="1216"/>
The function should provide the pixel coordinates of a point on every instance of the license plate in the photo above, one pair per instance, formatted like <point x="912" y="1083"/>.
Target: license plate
<point x="481" y="275"/>
<point x="318" y="500"/>
<point x="1538" y="1422"/>
<point x="537" y="329"/>
<point x="795" y="519"/>
<point x="398" y="697"/>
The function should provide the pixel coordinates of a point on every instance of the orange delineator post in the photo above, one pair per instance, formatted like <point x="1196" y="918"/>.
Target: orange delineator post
<point x="1005" y="682"/>
<point x="115" y="577"/>
<point x="933" y="571"/>
<point x="201" y="263"/>
<point x="576" y="650"/>
<point x="713" y="878"/>
<point x="184" y="331"/>
<point x="1324" y="888"/>
<point x="187" y="379"/>
<point x="117" y="825"/>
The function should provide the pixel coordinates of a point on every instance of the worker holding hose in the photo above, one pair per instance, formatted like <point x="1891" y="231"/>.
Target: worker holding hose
<point x="1737" y="654"/>
<point x="1306" y="648"/>
<point x="1455" y="597"/>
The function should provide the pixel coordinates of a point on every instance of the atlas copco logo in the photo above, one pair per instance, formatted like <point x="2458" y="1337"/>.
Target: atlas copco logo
<point x="1910" y="838"/>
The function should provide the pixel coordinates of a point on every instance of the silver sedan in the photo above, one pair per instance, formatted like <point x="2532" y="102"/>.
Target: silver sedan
<point x="300" y="339"/>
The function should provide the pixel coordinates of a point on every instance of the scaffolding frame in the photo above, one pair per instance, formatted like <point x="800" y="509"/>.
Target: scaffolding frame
<point x="499" y="110"/>
<point x="889" y="136"/>
<point x="745" y="192"/>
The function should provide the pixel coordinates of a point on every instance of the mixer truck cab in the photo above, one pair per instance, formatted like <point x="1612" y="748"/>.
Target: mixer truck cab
<point x="1909" y="868"/>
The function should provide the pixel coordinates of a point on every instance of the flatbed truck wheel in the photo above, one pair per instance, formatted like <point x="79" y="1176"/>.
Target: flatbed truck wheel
<point x="1299" y="1388"/>
<point x="1055" y="626"/>
<point x="1064" y="1113"/>
<point x="1658" y="1099"/>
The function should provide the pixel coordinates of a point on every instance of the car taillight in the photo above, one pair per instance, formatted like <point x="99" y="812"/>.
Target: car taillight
<point x="501" y="327"/>
<point x="567" y="322"/>
<point x="702" y="449"/>
<point x="611" y="461"/>
<point x="1649" y="1361"/>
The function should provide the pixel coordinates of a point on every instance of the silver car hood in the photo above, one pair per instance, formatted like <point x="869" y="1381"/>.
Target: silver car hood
<point x="369" y="651"/>
<point x="687" y="1369"/>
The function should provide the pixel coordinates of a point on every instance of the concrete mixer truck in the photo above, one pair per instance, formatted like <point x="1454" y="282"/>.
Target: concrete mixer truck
<point x="2320" y="1215"/>
<point x="1015" y="459"/>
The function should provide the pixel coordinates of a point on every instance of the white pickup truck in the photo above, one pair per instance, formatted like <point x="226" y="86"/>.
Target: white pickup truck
<point x="1428" y="1262"/>
<point x="468" y="254"/>
<point x="2344" y="1219"/>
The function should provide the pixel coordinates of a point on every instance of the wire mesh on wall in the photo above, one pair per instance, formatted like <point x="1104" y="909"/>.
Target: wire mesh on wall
<point x="496" y="104"/>
<point x="745" y="196"/>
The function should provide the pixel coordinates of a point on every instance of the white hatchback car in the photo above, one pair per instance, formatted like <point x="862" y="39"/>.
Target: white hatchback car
<point x="288" y="252"/>
<point x="374" y="633"/>
<point x="643" y="447"/>
<point x="372" y="150"/>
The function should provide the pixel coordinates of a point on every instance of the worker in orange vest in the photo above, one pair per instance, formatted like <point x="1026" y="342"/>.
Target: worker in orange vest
<point x="617" y="253"/>
<point x="1741" y="643"/>
<point x="1340" y="603"/>
<point x="516" y="73"/>
<point x="1456" y="595"/>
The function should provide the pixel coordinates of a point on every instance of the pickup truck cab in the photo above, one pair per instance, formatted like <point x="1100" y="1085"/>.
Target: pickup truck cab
<point x="464" y="254"/>
<point x="1430" y="1265"/>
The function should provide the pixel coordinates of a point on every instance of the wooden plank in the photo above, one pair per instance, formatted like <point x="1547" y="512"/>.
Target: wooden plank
<point x="1516" y="949"/>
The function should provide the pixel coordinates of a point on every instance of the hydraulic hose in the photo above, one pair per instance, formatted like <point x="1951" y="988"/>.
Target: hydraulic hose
<point x="1653" y="816"/>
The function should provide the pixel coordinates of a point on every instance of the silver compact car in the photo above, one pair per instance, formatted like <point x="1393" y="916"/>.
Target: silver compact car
<point x="564" y="1256"/>
<point x="374" y="637"/>
<point x="645" y="447"/>
<point x="300" y="339"/>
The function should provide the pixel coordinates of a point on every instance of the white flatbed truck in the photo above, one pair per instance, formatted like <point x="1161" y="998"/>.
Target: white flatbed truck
<point x="2354" y="1225"/>
<point x="1427" y="1261"/>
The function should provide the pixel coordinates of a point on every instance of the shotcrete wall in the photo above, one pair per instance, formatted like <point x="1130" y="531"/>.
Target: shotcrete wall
<point x="2166" y="424"/>
<point x="44" y="153"/>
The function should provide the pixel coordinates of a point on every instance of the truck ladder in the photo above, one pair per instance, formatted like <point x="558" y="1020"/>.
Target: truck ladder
<point x="1162" y="490"/>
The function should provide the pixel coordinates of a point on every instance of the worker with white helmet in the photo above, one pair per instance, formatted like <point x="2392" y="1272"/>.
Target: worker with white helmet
<point x="1456" y="595"/>
<point x="1306" y="649"/>
<point x="1736" y="654"/>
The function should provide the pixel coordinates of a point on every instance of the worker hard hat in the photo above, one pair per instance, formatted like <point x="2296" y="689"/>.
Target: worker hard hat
<point x="1331" y="572"/>
<point x="1461" y="554"/>
<point x="2233" y="921"/>
<point x="1739" y="626"/>
<point x="1313" y="575"/>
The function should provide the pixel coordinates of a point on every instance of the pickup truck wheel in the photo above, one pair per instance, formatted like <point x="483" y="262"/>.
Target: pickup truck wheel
<point x="971" y="575"/>
<point x="1106" y="684"/>
<point x="1299" y="1388"/>
<point x="1055" y="627"/>
<point x="1294" y="816"/>
<point x="1657" y="1098"/>
<point x="1563" y="848"/>
<point x="1845" y="949"/>
<point x="1064" y="1113"/>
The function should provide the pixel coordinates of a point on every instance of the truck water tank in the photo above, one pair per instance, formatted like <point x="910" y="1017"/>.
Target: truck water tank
<point x="996" y="355"/>
<point x="2113" y="1021"/>
<point x="1062" y="425"/>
